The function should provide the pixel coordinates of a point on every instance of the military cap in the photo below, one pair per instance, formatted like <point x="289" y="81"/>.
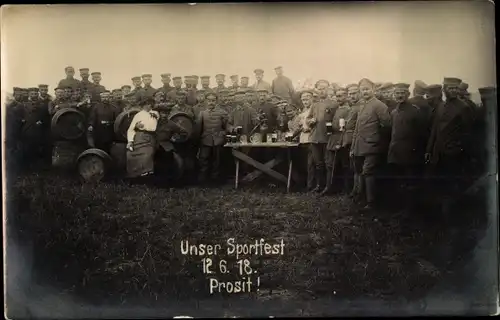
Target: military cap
<point x="69" y="68"/>
<point x="231" y="93"/>
<point x="404" y="86"/>
<point x="43" y="86"/>
<point x="200" y="91"/>
<point x="387" y="85"/>
<point x="278" y="67"/>
<point x="195" y="77"/>
<point x="487" y="91"/>
<point x="262" y="90"/>
<point x="105" y="91"/>
<point x="117" y="89"/>
<point x="181" y="93"/>
<point x="165" y="75"/>
<point x="433" y="88"/>
<point x="205" y="77"/>
<point x="126" y="86"/>
<point x="234" y="76"/>
<point x="377" y="85"/>
<point x="210" y="93"/>
<point x="136" y="78"/>
<point x="33" y="89"/>
<point x="322" y="81"/>
<point x="177" y="78"/>
<point x="147" y="75"/>
<point x="240" y="91"/>
<point x="352" y="86"/>
<point x="341" y="88"/>
<point x="159" y="92"/>
<point x="451" y="81"/>
<point x="16" y="89"/>
<point x="58" y="88"/>
<point x="258" y="71"/>
<point x="365" y="82"/>
<point x="220" y="75"/>
<point x="419" y="87"/>
<point x="68" y="87"/>
<point x="84" y="69"/>
<point x="96" y="73"/>
<point x="306" y="91"/>
<point x="244" y="78"/>
<point x="463" y="86"/>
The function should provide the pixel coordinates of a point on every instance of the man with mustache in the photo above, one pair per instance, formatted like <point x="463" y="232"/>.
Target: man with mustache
<point x="353" y="97"/>
<point x="368" y="142"/>
<point x="220" y="79"/>
<point x="165" y="79"/>
<point x="205" y="83"/>
<point x="260" y="84"/>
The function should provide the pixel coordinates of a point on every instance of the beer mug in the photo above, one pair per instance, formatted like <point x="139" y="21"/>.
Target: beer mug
<point x="244" y="139"/>
<point x="234" y="139"/>
<point x="238" y="130"/>
<point x="288" y="137"/>
<point x="329" y="128"/>
<point x="342" y="124"/>
<point x="269" y="137"/>
<point x="274" y="137"/>
<point x="228" y="138"/>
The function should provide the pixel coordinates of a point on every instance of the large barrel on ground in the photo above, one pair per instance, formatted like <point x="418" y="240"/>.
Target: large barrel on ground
<point x="93" y="165"/>
<point x="118" y="153"/>
<point x="65" y="154"/>
<point x="122" y="122"/>
<point x="68" y="124"/>
<point x="183" y="126"/>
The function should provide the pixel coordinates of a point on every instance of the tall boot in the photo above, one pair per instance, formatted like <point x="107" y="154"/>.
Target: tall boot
<point x="370" y="191"/>
<point x="355" y="187"/>
<point x="328" y="186"/>
<point x="320" y="179"/>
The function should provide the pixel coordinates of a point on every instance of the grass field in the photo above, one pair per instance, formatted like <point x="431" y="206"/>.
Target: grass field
<point x="113" y="242"/>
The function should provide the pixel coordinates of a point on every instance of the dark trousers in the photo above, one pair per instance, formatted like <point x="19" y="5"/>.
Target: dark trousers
<point x="318" y="157"/>
<point x="404" y="183"/>
<point x="209" y="158"/>
<point x="303" y="162"/>
<point x="366" y="167"/>
<point x="338" y="173"/>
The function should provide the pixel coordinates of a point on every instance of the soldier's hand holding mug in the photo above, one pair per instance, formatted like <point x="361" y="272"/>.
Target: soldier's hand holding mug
<point x="311" y="122"/>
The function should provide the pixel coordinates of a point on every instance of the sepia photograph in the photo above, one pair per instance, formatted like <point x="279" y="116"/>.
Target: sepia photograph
<point x="191" y="160"/>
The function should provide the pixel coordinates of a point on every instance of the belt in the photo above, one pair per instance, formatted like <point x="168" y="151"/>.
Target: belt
<point x="144" y="131"/>
<point x="106" y="122"/>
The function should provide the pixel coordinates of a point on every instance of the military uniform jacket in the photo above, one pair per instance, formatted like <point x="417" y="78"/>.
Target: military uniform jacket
<point x="102" y="118"/>
<point x="86" y="85"/>
<point x="14" y="121"/>
<point x="73" y="83"/>
<point x="425" y="109"/>
<point x="282" y="86"/>
<point x="262" y="85"/>
<point x="183" y="108"/>
<point x="318" y="111"/>
<point x="243" y="116"/>
<point x="36" y="119"/>
<point x="217" y="89"/>
<point x="197" y="109"/>
<point x="271" y="113"/>
<point x="58" y="104"/>
<point x="191" y="97"/>
<point x="337" y="137"/>
<point x="172" y="95"/>
<point x="165" y="89"/>
<point x="449" y="130"/>
<point x="97" y="89"/>
<point x="350" y="124"/>
<point x="212" y="124"/>
<point x="408" y="135"/>
<point x="146" y="92"/>
<point x="372" y="122"/>
<point x="136" y="91"/>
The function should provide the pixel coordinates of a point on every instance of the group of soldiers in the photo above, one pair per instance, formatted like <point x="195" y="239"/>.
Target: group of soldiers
<point x="351" y="136"/>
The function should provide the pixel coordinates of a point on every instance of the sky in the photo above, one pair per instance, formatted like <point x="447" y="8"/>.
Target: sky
<point x="343" y="42"/>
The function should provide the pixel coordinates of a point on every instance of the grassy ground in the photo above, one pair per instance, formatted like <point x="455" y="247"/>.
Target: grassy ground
<point x="113" y="242"/>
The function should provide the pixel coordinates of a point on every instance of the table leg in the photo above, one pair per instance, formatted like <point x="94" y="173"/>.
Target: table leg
<point x="237" y="173"/>
<point x="290" y="167"/>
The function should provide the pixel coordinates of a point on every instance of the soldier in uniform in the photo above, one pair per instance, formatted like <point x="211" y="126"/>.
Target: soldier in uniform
<point x="251" y="98"/>
<point x="35" y="129"/>
<point x="195" y="79"/>
<point x="353" y="97"/>
<point x="85" y="84"/>
<point x="212" y="124"/>
<point x="126" y="89"/>
<point x="387" y="96"/>
<point x="446" y="148"/>
<point x="165" y="79"/>
<point x="148" y="91"/>
<point x="191" y="90"/>
<point x="200" y="106"/>
<point x="172" y="94"/>
<point x="368" y="145"/>
<point x="244" y="83"/>
<point x="98" y="88"/>
<point x="101" y="122"/>
<point x="434" y="97"/>
<point x="464" y="95"/>
<point x="59" y="102"/>
<point x="242" y="115"/>
<point x="282" y="85"/>
<point x="43" y="89"/>
<point x="14" y="122"/>
<point x="268" y="110"/>
<point x="407" y="146"/>
<point x="319" y="114"/>
<point x="220" y="79"/>
<point x="69" y="81"/>
<point x="68" y="94"/>
<point x="181" y="104"/>
<point x="223" y="101"/>
<point x="205" y="83"/>
<point x="260" y="84"/>
<point x="137" y="82"/>
<point x="418" y="99"/>
<point x="117" y="100"/>
<point x="337" y="155"/>
<point x="377" y="90"/>
<point x="234" y="83"/>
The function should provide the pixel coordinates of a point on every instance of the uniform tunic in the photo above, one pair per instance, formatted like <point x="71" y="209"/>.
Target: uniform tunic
<point x="72" y="82"/>
<point x="282" y="86"/>
<point x="350" y="125"/>
<point x="337" y="137"/>
<point x="262" y="85"/>
<point x="165" y="89"/>
<point x="86" y="85"/>
<point x="408" y="135"/>
<point x="97" y="89"/>
<point x="319" y="112"/>
<point x="243" y="116"/>
<point x="102" y="118"/>
<point x="218" y="88"/>
<point x="58" y="104"/>
<point x="271" y="113"/>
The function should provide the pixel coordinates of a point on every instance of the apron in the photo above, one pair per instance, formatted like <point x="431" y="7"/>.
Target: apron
<point x="141" y="160"/>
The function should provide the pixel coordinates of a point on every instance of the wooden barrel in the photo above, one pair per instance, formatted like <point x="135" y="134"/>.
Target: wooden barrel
<point x="65" y="154"/>
<point x="118" y="153"/>
<point x="68" y="124"/>
<point x="93" y="165"/>
<point x="183" y="125"/>
<point x="122" y="122"/>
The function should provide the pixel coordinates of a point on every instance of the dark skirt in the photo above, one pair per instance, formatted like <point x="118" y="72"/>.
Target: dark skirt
<point x="140" y="161"/>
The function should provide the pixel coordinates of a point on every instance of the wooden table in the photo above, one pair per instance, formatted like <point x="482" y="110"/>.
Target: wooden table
<point x="267" y="167"/>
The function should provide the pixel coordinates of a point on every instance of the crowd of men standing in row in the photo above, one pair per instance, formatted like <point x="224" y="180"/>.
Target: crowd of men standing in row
<point x="350" y="134"/>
